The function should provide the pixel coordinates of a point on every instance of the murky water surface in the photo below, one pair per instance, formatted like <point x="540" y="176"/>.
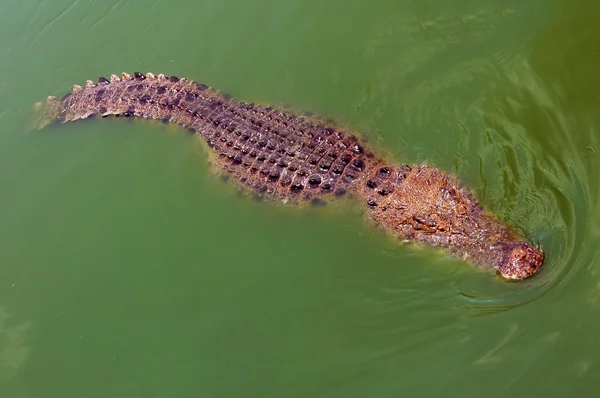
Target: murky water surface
<point x="126" y="270"/>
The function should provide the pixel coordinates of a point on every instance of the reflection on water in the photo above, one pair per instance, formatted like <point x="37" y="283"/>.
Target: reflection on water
<point x="445" y="51"/>
<point x="14" y="351"/>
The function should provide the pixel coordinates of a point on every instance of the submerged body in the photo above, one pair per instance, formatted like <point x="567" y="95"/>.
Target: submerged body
<point x="295" y="158"/>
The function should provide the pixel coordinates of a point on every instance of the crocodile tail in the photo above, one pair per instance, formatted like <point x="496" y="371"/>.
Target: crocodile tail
<point x="281" y="155"/>
<point x="148" y="96"/>
<point x="48" y="112"/>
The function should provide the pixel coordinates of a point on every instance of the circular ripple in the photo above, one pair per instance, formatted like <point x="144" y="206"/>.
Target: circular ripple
<point x="587" y="151"/>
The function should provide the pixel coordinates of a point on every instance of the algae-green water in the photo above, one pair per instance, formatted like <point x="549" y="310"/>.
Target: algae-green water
<point x="128" y="270"/>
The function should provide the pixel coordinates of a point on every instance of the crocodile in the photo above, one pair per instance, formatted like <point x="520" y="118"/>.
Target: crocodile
<point x="300" y="159"/>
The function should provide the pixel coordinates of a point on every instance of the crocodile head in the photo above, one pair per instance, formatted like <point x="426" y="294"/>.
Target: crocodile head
<point x="425" y="205"/>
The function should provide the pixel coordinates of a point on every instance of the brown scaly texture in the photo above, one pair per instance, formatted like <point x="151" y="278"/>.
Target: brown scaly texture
<point x="296" y="159"/>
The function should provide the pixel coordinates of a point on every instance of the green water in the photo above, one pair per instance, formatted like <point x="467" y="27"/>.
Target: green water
<point x="126" y="270"/>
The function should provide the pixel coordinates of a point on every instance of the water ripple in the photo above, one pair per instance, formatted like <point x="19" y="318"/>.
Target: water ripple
<point x="535" y="184"/>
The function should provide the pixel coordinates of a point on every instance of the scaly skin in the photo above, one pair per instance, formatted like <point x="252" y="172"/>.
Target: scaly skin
<point x="296" y="159"/>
